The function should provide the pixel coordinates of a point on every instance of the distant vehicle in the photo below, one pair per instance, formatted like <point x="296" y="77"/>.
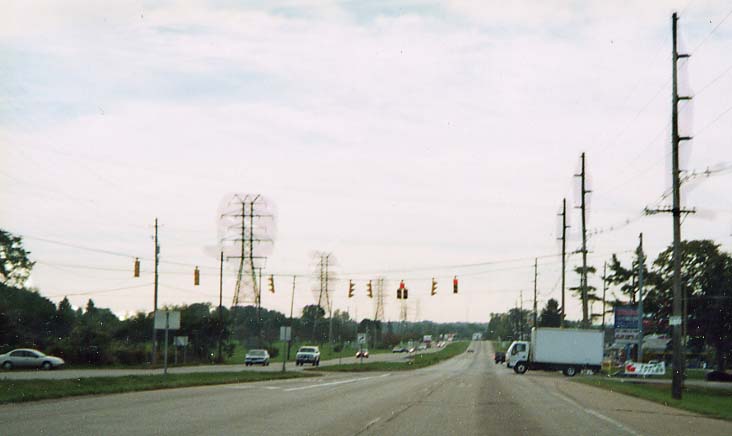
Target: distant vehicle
<point x="719" y="376"/>
<point x="427" y="341"/>
<point x="421" y="347"/>
<point x="256" y="357"/>
<point x="399" y="349"/>
<point x="308" y="355"/>
<point x="499" y="357"/>
<point x="362" y="353"/>
<point x="410" y="350"/>
<point x="28" y="358"/>
<point x="477" y="336"/>
<point x="470" y="350"/>
<point x="554" y="349"/>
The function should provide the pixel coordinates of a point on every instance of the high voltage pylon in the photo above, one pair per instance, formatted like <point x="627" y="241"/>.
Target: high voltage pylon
<point x="379" y="302"/>
<point x="324" y="291"/>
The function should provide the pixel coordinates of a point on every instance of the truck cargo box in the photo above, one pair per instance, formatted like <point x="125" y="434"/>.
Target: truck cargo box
<point x="567" y="346"/>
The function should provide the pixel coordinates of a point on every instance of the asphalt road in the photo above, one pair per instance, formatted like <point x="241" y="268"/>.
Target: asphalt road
<point x="467" y="395"/>
<point x="110" y="372"/>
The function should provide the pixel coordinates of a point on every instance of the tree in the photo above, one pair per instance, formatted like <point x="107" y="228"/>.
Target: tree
<point x="15" y="267"/>
<point x="550" y="315"/>
<point x="577" y="290"/>
<point x="706" y="286"/>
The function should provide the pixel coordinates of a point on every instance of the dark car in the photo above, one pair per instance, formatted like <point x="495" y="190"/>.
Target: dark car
<point x="719" y="376"/>
<point x="499" y="357"/>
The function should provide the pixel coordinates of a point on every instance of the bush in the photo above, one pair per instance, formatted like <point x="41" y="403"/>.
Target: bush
<point x="273" y="352"/>
<point x="129" y="354"/>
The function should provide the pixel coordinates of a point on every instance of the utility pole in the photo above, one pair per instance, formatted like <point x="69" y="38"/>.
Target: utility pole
<point x="155" y="300"/>
<point x="330" y="305"/>
<point x="521" y="313"/>
<point x="564" y="255"/>
<point x="641" y="265"/>
<point x="289" y="341"/>
<point x="221" y="306"/>
<point x="604" y="292"/>
<point x="583" y="275"/>
<point x="678" y="355"/>
<point x="535" y="277"/>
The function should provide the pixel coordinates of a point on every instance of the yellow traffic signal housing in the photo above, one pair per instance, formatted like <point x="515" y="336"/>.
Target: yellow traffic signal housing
<point x="137" y="267"/>
<point x="434" y="286"/>
<point x="196" y="277"/>
<point x="405" y="293"/>
<point x="271" y="283"/>
<point x="351" y="289"/>
<point x="369" y="290"/>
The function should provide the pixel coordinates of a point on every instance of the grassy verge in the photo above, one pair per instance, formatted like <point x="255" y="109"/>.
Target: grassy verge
<point x="15" y="391"/>
<point x="419" y="361"/>
<point x="706" y="401"/>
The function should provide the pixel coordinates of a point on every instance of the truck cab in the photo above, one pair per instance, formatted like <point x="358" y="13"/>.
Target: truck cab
<point x="517" y="352"/>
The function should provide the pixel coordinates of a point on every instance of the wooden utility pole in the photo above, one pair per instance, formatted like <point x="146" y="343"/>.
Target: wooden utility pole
<point x="221" y="307"/>
<point x="678" y="354"/>
<point x="155" y="298"/>
<point x="604" y="292"/>
<point x="583" y="275"/>
<point x="564" y="256"/>
<point x="536" y="317"/>
<point x="641" y="265"/>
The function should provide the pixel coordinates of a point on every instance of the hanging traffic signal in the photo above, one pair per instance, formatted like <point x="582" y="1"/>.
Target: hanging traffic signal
<point x="400" y="290"/>
<point x="369" y="290"/>
<point x="137" y="267"/>
<point x="196" y="276"/>
<point x="271" y="284"/>
<point x="351" y="288"/>
<point x="434" y="286"/>
<point x="455" y="285"/>
<point x="405" y="294"/>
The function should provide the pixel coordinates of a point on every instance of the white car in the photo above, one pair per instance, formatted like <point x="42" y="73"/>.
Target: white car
<point x="308" y="354"/>
<point x="257" y="357"/>
<point x="28" y="358"/>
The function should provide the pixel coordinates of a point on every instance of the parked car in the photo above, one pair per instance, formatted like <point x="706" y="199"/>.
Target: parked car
<point x="257" y="357"/>
<point x="399" y="349"/>
<point x="28" y="358"/>
<point x="308" y="354"/>
<point x="421" y="347"/>
<point x="362" y="353"/>
<point x="499" y="357"/>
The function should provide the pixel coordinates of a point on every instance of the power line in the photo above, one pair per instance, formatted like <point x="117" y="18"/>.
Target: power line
<point x="99" y="291"/>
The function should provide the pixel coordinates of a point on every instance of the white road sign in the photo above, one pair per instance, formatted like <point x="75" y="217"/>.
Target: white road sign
<point x="285" y="333"/>
<point x="361" y="338"/>
<point x="171" y="318"/>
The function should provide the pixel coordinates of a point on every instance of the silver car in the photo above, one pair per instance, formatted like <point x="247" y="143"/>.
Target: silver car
<point x="257" y="357"/>
<point x="28" y="358"/>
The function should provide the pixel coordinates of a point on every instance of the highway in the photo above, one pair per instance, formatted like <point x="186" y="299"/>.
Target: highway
<point x="467" y="395"/>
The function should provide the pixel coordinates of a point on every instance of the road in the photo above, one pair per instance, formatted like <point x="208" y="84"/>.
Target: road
<point x="113" y="372"/>
<point x="467" y="395"/>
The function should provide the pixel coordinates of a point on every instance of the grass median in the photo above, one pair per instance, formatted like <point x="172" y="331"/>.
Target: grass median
<point x="712" y="402"/>
<point x="16" y="391"/>
<point x="418" y="361"/>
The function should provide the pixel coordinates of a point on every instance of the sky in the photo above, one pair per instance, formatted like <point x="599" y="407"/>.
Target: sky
<point x="411" y="140"/>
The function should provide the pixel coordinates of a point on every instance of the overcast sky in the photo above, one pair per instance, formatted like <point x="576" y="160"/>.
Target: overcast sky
<point x="406" y="138"/>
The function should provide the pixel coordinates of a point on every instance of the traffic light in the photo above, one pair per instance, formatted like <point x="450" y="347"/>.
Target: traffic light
<point x="351" y="289"/>
<point x="405" y="293"/>
<point x="455" y="285"/>
<point x="369" y="290"/>
<point x="400" y="290"/>
<point x="137" y="267"/>
<point x="434" y="286"/>
<point x="196" y="276"/>
<point x="271" y="284"/>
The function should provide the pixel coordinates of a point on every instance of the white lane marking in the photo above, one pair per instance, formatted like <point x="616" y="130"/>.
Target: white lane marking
<point x="340" y="382"/>
<point x="272" y="387"/>
<point x="596" y="414"/>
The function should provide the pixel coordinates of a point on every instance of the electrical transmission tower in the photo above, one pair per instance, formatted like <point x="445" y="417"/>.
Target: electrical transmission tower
<point x="245" y="225"/>
<point x="379" y="312"/>
<point x="325" y="297"/>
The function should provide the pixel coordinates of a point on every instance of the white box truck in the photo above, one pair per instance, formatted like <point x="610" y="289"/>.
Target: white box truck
<point x="555" y="349"/>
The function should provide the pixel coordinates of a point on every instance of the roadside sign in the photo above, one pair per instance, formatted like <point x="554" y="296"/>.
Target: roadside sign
<point x="658" y="368"/>
<point x="361" y="338"/>
<point x="180" y="341"/>
<point x="674" y="320"/>
<point x="285" y="333"/>
<point x="167" y="319"/>
<point x="627" y="325"/>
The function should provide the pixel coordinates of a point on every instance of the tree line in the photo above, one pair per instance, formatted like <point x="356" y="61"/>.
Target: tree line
<point x="95" y="335"/>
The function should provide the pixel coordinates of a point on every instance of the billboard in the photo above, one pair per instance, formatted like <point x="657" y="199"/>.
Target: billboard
<point x="627" y="325"/>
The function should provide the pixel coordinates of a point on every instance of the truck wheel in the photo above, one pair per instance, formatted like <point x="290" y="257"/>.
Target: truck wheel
<point x="520" y="368"/>
<point x="570" y="371"/>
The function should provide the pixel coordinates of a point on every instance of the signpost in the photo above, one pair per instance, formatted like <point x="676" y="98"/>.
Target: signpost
<point x="361" y="339"/>
<point x="286" y="337"/>
<point x="167" y="320"/>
